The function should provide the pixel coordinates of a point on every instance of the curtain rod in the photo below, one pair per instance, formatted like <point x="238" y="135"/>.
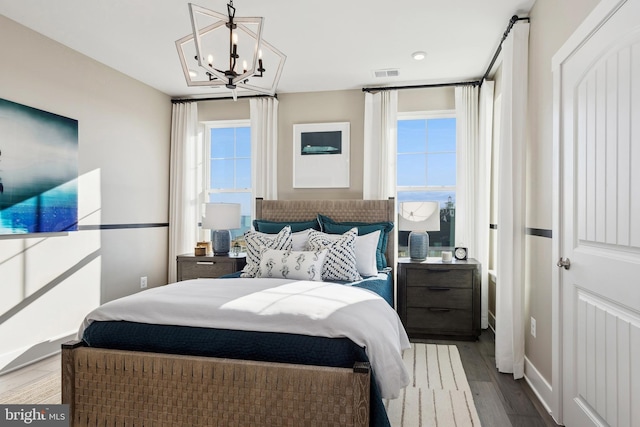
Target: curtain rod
<point x="512" y="21"/>
<point x="477" y="82"/>
<point x="378" y="89"/>
<point x="221" y="98"/>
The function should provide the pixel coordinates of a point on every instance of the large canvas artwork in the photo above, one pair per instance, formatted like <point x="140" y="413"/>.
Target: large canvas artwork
<point x="38" y="171"/>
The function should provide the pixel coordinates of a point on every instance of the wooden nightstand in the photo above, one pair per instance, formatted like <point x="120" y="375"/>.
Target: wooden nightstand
<point x="439" y="299"/>
<point x="209" y="266"/>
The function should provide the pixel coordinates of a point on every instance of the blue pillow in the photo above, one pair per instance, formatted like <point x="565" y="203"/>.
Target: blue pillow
<point x="330" y="226"/>
<point x="274" y="227"/>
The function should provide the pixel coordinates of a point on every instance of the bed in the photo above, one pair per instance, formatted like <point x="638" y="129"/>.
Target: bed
<point x="126" y="379"/>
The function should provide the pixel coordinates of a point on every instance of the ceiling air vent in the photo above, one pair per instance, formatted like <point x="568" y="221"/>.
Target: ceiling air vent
<point x="386" y="73"/>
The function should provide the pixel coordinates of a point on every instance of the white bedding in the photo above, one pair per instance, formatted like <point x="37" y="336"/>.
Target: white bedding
<point x="276" y="305"/>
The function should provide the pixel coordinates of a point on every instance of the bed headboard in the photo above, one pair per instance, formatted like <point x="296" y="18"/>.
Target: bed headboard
<point x="338" y="210"/>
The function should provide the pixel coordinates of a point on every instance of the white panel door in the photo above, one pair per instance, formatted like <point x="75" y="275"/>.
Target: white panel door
<point x="599" y="131"/>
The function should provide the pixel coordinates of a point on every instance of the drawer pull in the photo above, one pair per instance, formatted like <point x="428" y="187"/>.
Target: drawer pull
<point x="205" y="262"/>
<point x="439" y="309"/>
<point x="438" y="288"/>
<point x="438" y="270"/>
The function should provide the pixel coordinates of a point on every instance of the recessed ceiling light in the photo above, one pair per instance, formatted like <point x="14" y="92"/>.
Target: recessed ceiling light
<point x="419" y="56"/>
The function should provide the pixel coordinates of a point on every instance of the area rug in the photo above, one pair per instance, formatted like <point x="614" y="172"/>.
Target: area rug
<point x="45" y="390"/>
<point x="438" y="395"/>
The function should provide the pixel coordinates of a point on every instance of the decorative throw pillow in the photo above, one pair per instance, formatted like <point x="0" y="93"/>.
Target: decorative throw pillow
<point x="333" y="227"/>
<point x="340" y="263"/>
<point x="297" y="265"/>
<point x="258" y="242"/>
<point x="365" y="251"/>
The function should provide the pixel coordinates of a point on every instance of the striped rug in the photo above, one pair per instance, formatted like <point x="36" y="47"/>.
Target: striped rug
<point x="438" y="395"/>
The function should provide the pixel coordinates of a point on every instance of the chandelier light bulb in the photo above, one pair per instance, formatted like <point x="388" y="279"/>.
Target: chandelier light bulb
<point x="260" y="53"/>
<point x="234" y="38"/>
<point x="210" y="60"/>
<point x="244" y="66"/>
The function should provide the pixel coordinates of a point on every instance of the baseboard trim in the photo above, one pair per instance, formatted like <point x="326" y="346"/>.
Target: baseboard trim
<point x="538" y="384"/>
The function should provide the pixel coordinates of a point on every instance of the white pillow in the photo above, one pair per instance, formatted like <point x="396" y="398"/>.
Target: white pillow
<point x="340" y="263"/>
<point x="300" y="239"/>
<point x="365" y="252"/>
<point x="297" y="265"/>
<point x="258" y="242"/>
<point x="366" y="247"/>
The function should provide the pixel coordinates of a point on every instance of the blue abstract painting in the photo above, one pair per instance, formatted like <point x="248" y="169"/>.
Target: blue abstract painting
<point x="38" y="171"/>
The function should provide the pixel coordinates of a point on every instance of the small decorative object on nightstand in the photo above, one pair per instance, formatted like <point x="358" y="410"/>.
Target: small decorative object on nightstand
<point x="191" y="266"/>
<point x="439" y="299"/>
<point x="461" y="253"/>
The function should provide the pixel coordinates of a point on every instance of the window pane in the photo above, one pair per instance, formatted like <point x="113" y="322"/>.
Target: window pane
<point x="222" y="173"/>
<point x="222" y="142"/>
<point x="243" y="173"/>
<point x="243" y="142"/>
<point x="438" y="240"/>
<point x="411" y="169"/>
<point x="441" y="134"/>
<point x="412" y="136"/>
<point x="441" y="169"/>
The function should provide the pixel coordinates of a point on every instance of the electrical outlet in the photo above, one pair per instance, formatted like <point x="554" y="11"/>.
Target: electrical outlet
<point x="143" y="282"/>
<point x="533" y="327"/>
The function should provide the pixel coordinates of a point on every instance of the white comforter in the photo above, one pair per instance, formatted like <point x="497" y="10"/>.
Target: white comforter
<point x="276" y="305"/>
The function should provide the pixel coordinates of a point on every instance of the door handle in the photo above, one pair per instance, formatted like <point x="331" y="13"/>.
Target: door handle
<point x="564" y="262"/>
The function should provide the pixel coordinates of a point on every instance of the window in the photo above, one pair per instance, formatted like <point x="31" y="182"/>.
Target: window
<point x="426" y="171"/>
<point x="228" y="167"/>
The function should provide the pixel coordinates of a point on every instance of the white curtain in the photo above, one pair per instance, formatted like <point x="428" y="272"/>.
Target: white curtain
<point x="380" y="134"/>
<point x="264" y="147"/>
<point x="466" y="98"/>
<point x="483" y="212"/>
<point x="511" y="204"/>
<point x="184" y="183"/>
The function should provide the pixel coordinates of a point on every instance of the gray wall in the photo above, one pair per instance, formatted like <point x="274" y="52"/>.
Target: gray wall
<point x="48" y="283"/>
<point x="552" y="22"/>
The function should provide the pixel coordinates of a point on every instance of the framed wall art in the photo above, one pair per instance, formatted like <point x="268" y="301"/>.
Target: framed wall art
<point x="38" y="171"/>
<point x="321" y="155"/>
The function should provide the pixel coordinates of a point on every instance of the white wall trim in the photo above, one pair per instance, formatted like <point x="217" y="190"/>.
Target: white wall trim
<point x="539" y="385"/>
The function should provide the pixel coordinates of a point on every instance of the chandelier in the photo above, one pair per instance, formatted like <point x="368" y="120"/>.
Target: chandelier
<point x="226" y="51"/>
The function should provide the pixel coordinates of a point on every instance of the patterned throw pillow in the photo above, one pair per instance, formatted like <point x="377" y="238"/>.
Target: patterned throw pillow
<point x="297" y="265"/>
<point x="341" y="259"/>
<point x="258" y="242"/>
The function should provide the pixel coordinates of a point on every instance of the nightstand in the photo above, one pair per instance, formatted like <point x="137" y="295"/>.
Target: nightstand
<point x="208" y="266"/>
<point x="439" y="299"/>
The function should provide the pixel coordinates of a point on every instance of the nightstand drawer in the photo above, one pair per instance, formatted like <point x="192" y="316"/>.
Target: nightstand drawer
<point x="450" y="278"/>
<point x="205" y="269"/>
<point x="438" y="296"/>
<point x="438" y="320"/>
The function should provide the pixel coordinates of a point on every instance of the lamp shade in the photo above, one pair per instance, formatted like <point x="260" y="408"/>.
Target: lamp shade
<point x="221" y="216"/>
<point x="419" y="216"/>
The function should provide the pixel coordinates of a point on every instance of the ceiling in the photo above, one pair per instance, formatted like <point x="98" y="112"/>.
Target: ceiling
<point x="330" y="45"/>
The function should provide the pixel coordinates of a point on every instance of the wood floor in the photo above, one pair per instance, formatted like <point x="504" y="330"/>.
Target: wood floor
<point x="501" y="401"/>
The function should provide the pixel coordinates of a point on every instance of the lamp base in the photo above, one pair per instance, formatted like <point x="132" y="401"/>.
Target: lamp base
<point x="418" y="245"/>
<point x="221" y="242"/>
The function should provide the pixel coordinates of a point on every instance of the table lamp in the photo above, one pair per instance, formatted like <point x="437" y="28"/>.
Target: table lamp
<point x="220" y="218"/>
<point x="419" y="217"/>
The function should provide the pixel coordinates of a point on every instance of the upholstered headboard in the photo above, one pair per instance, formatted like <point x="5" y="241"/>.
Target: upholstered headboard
<point x="338" y="210"/>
